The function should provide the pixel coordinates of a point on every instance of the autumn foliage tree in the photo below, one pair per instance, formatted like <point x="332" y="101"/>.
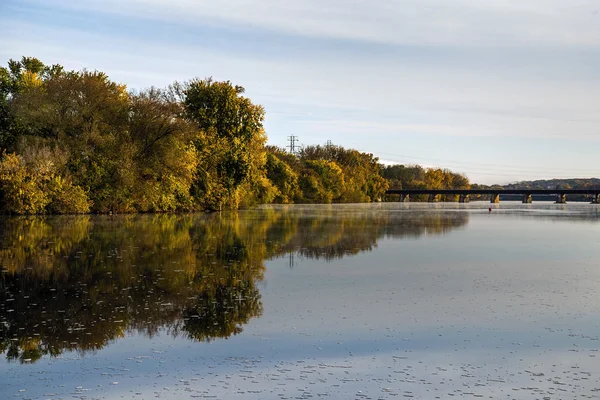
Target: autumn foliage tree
<point x="193" y="146"/>
<point x="78" y="142"/>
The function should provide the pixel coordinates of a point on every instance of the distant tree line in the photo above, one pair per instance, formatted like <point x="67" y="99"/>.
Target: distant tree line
<point x="325" y="174"/>
<point x="77" y="142"/>
<point x="572" y="183"/>
<point x="417" y="177"/>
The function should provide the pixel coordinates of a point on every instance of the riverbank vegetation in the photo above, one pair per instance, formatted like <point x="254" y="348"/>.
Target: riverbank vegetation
<point x="77" y="142"/>
<point x="417" y="177"/>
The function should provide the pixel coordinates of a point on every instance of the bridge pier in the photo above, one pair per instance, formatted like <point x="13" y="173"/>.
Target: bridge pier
<point x="596" y="198"/>
<point x="561" y="198"/>
<point x="432" y="198"/>
<point x="527" y="198"/>
<point x="495" y="198"/>
<point x="463" y="198"/>
<point x="404" y="198"/>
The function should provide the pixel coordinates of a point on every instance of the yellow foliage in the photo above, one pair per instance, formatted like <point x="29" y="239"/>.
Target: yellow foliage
<point x="21" y="191"/>
<point x="36" y="189"/>
<point x="30" y="79"/>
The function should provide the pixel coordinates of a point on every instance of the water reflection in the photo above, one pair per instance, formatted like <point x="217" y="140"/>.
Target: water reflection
<point x="80" y="283"/>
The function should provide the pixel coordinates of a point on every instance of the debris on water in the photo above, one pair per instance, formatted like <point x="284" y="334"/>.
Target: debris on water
<point x="472" y="317"/>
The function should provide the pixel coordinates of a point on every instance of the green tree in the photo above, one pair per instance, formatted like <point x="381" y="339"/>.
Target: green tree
<point x="321" y="181"/>
<point x="86" y="116"/>
<point x="284" y="178"/>
<point x="230" y="126"/>
<point x="164" y="156"/>
<point x="361" y="171"/>
<point x="20" y="76"/>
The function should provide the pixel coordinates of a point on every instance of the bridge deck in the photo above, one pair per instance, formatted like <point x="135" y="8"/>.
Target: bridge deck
<point x="561" y="194"/>
<point x="494" y="191"/>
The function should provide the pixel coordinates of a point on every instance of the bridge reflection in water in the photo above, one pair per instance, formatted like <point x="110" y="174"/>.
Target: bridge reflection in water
<point x="464" y="195"/>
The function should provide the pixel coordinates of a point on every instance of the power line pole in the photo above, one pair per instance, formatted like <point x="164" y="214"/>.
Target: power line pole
<point x="292" y="146"/>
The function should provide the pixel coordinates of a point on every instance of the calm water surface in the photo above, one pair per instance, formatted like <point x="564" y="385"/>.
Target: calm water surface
<point x="351" y="301"/>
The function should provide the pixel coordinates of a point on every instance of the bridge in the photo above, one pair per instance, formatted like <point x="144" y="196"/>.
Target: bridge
<point x="464" y="194"/>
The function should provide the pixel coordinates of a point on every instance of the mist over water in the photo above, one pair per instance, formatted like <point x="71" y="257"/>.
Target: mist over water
<point x="365" y="301"/>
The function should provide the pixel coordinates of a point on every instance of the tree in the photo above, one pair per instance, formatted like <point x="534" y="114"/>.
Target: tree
<point x="404" y="177"/>
<point x="361" y="171"/>
<point x="321" y="181"/>
<point x="284" y="178"/>
<point x="163" y="154"/>
<point x="230" y="126"/>
<point x="86" y="116"/>
<point x="20" y="76"/>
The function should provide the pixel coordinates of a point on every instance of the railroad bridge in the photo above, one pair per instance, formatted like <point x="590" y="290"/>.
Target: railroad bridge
<point x="464" y="194"/>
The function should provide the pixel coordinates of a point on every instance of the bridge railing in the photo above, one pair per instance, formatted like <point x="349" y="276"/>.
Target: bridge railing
<point x="464" y="195"/>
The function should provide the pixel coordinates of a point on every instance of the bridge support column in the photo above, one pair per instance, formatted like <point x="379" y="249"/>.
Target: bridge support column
<point x="596" y="198"/>
<point x="495" y="198"/>
<point x="463" y="198"/>
<point x="404" y="198"/>
<point x="527" y="198"/>
<point x="561" y="198"/>
<point x="432" y="198"/>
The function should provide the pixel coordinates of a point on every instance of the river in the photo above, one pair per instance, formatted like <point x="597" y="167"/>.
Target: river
<point x="370" y="301"/>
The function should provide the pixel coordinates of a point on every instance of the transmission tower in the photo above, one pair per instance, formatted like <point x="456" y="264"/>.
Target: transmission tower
<point x="329" y="144"/>
<point x="292" y="146"/>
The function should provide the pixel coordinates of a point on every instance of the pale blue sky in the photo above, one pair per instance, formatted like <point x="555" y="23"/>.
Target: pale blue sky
<point x="501" y="90"/>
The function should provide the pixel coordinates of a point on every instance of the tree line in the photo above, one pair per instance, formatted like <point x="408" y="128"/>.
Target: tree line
<point x="78" y="142"/>
<point x="417" y="177"/>
<point x="572" y="183"/>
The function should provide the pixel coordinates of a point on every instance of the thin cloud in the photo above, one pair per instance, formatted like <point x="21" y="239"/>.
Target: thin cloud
<point x="340" y="95"/>
<point x="460" y="22"/>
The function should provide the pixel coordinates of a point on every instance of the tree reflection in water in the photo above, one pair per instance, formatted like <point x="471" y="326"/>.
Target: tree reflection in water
<point x="80" y="283"/>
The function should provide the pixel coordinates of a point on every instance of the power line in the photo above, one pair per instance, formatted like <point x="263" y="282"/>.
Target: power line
<point x="479" y="166"/>
<point x="475" y="168"/>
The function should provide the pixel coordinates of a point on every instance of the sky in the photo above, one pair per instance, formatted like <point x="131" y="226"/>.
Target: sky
<point x="501" y="90"/>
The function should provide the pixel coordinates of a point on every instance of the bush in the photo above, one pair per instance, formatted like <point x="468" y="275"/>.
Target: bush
<point x="284" y="178"/>
<point x="66" y="198"/>
<point x="20" y="191"/>
<point x="35" y="189"/>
